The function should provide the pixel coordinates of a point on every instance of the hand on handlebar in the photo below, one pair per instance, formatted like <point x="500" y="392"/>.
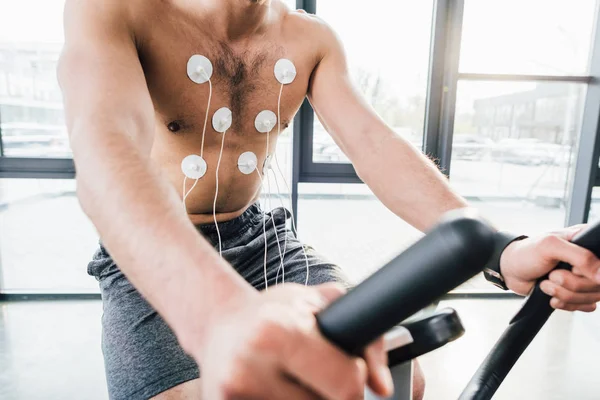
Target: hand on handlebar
<point x="270" y="347"/>
<point x="524" y="262"/>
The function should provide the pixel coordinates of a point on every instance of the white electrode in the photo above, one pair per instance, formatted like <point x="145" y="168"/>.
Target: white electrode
<point x="285" y="71"/>
<point x="193" y="166"/>
<point x="222" y="120"/>
<point x="199" y="69"/>
<point x="247" y="162"/>
<point x="265" y="121"/>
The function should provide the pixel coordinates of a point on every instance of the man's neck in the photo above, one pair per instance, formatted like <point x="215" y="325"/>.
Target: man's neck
<point x="240" y="18"/>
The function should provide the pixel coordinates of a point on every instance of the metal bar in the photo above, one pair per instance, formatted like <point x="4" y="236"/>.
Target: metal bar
<point x="1" y="142"/>
<point x="308" y="168"/>
<point x="14" y="297"/>
<point x="443" y="77"/>
<point x="435" y="83"/>
<point x="448" y="108"/>
<point x="310" y="6"/>
<point x="329" y="178"/>
<point x="528" y="78"/>
<point x="36" y="168"/>
<point x="302" y="129"/>
<point x="586" y="166"/>
<point x="296" y="162"/>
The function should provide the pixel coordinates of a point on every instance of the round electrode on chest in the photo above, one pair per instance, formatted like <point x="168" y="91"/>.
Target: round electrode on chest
<point x="247" y="163"/>
<point x="222" y="120"/>
<point x="285" y="71"/>
<point x="193" y="166"/>
<point x="199" y="69"/>
<point x="265" y="121"/>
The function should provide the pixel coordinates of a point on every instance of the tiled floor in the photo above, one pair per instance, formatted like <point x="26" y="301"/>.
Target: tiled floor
<point x="51" y="350"/>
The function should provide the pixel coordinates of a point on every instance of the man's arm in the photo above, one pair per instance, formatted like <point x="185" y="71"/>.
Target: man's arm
<point x="406" y="181"/>
<point x="410" y="185"/>
<point x="138" y="214"/>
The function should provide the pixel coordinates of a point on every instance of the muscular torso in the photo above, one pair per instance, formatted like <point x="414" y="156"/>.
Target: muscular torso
<point x="167" y="35"/>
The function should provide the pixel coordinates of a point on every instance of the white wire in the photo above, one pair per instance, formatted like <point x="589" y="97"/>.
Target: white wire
<point x="268" y="201"/>
<point x="217" y="193"/>
<point x="280" y="197"/>
<point x="281" y="255"/>
<point x="264" y="231"/>
<point x="293" y="218"/>
<point x="285" y="224"/>
<point x="281" y="266"/>
<point x="287" y="186"/>
<point x="189" y="191"/>
<point x="184" y="194"/>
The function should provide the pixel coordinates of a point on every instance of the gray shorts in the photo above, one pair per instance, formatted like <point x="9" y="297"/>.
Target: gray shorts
<point x="141" y="354"/>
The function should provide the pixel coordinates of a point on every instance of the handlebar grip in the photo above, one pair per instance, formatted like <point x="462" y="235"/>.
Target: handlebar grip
<point x="452" y="253"/>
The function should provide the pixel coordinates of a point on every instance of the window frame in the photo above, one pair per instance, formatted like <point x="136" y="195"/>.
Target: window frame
<point x="440" y="111"/>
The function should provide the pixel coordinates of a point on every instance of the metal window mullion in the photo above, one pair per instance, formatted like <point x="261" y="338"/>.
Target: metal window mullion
<point x="443" y="79"/>
<point x="36" y="168"/>
<point x="1" y="141"/>
<point x="300" y="129"/>
<point x="296" y="161"/>
<point x="310" y="6"/>
<point x="586" y="165"/>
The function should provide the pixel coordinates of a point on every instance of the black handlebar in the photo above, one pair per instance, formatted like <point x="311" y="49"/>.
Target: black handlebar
<point x="522" y="330"/>
<point x="452" y="253"/>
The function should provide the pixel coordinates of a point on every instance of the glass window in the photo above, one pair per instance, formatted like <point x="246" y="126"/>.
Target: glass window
<point x="45" y="239"/>
<point x="514" y="150"/>
<point x="543" y="37"/>
<point x="31" y="110"/>
<point x="361" y="234"/>
<point x="388" y="58"/>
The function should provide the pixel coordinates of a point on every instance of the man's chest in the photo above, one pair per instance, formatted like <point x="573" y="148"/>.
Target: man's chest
<point x="243" y="76"/>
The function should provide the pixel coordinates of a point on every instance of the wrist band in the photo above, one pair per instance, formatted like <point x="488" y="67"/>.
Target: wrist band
<point x="492" y="272"/>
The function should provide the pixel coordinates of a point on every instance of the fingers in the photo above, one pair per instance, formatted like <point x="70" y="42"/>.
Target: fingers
<point x="565" y="299"/>
<point x="574" y="282"/>
<point x="331" y="291"/>
<point x="559" y="305"/>
<point x="380" y="378"/>
<point x="559" y="249"/>
<point x="324" y="369"/>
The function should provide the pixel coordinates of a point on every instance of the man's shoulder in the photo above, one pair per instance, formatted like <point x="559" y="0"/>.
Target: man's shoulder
<point x="312" y="23"/>
<point x="312" y="28"/>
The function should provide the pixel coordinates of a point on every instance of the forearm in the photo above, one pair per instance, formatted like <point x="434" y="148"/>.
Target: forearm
<point x="405" y="180"/>
<point x="143" y="225"/>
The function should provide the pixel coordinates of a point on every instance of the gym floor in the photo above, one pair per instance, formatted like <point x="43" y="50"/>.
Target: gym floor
<point x="51" y="350"/>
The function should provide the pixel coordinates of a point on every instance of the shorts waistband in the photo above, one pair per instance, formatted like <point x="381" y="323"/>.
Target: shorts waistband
<point x="248" y="217"/>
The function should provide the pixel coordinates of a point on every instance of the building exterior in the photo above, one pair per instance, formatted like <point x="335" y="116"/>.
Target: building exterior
<point x="550" y="113"/>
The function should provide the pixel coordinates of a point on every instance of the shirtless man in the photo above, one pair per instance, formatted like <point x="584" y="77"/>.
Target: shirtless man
<point x="173" y="303"/>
